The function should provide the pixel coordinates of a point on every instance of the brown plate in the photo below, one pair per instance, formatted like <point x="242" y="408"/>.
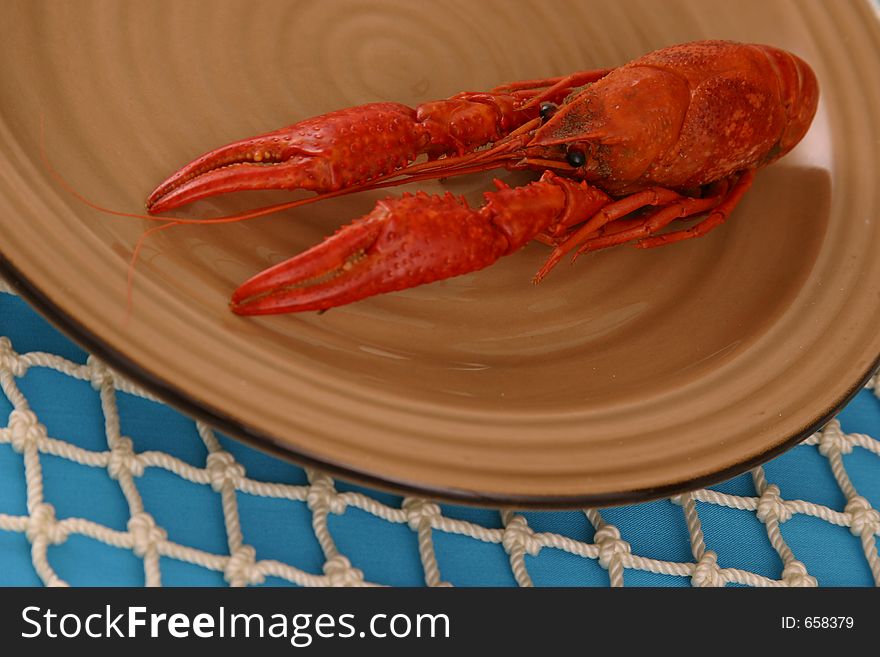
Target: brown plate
<point x="630" y="375"/>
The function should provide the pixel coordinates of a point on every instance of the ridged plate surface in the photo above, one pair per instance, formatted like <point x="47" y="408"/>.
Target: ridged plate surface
<point x="629" y="375"/>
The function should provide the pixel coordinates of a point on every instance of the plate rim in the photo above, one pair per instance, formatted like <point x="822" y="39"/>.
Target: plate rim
<point x="176" y="389"/>
<point x="239" y="429"/>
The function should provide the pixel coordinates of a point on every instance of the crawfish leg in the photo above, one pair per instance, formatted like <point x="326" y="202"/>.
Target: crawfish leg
<point x="685" y="207"/>
<point x="320" y="154"/>
<point x="347" y="149"/>
<point x="554" y="89"/>
<point x="402" y="243"/>
<point x="717" y="217"/>
<point x="597" y="220"/>
<point x="356" y="147"/>
<point x="413" y="240"/>
<point x="572" y="80"/>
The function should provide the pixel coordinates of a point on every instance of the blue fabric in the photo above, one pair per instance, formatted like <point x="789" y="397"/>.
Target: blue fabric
<point x="385" y="552"/>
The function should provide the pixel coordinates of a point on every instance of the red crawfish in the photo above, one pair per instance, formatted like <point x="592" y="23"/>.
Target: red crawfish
<point x="675" y="134"/>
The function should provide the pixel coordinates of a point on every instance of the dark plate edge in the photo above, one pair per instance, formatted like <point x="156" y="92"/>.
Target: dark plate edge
<point x="240" y="430"/>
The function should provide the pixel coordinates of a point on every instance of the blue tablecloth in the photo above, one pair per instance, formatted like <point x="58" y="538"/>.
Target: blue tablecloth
<point x="374" y="536"/>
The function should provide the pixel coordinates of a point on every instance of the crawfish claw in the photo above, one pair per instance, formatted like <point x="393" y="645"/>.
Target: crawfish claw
<point x="413" y="240"/>
<point x="313" y="155"/>
<point x="403" y="242"/>
<point x="262" y="162"/>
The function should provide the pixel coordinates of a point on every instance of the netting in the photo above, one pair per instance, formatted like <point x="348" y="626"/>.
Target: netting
<point x="241" y="565"/>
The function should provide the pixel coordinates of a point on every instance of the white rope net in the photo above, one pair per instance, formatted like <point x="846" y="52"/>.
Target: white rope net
<point x="241" y="566"/>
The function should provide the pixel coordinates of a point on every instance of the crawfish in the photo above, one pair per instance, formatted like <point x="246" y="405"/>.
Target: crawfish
<point x="675" y="134"/>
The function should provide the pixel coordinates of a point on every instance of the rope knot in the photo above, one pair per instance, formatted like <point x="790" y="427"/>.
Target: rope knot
<point x="25" y="429"/>
<point x="519" y="536"/>
<point x="707" y="572"/>
<point x="862" y="518"/>
<point x="340" y="572"/>
<point x="42" y="525"/>
<point x="241" y="568"/>
<point x="771" y="505"/>
<point x="610" y="544"/>
<point x="874" y="384"/>
<point x="99" y="373"/>
<point x="145" y="534"/>
<point x="123" y="460"/>
<point x="9" y="360"/>
<point x="222" y="469"/>
<point x="419" y="510"/>
<point x="832" y="438"/>
<point x="322" y="496"/>
<point x="795" y="574"/>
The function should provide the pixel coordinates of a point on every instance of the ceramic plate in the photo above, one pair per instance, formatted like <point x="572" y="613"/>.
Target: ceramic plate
<point x="631" y="375"/>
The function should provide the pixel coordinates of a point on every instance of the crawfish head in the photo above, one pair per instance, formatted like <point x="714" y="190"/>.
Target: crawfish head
<point x="682" y="117"/>
<point x="604" y="133"/>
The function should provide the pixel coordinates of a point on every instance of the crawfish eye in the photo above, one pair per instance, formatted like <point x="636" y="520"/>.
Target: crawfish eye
<point x="575" y="157"/>
<point x="548" y="110"/>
